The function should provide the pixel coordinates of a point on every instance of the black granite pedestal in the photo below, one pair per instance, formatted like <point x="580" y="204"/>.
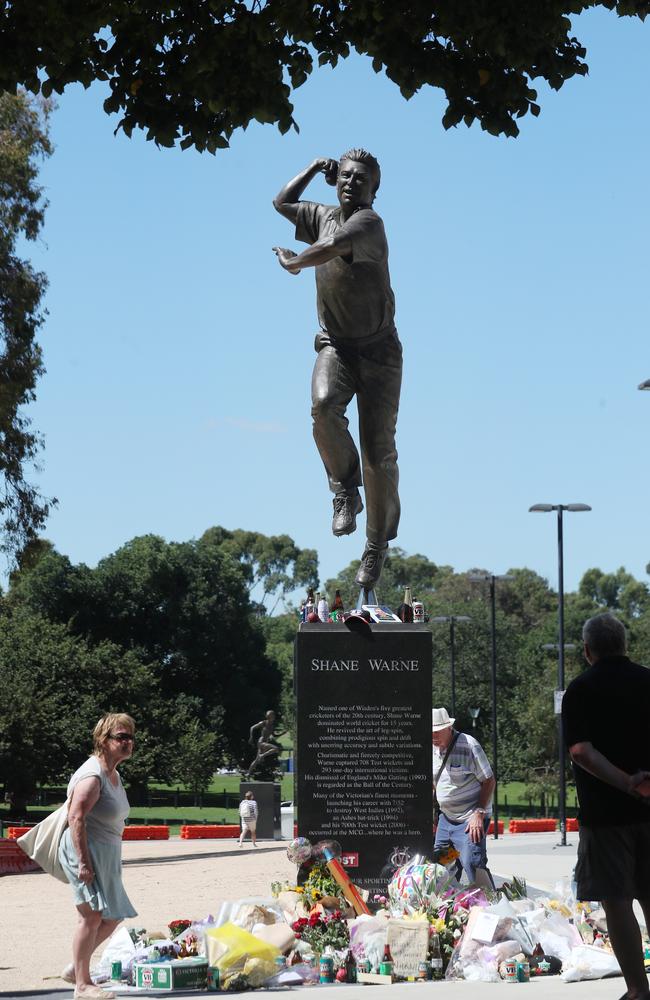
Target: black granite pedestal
<point x="267" y="795"/>
<point x="363" y="762"/>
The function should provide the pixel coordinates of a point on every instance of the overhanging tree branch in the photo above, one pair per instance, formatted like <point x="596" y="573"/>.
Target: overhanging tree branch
<point x="193" y="72"/>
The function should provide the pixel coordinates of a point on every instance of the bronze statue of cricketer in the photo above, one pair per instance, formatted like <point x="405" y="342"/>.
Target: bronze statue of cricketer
<point x="359" y="352"/>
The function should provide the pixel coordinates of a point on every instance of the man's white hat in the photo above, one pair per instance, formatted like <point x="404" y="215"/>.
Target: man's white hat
<point x="440" y="719"/>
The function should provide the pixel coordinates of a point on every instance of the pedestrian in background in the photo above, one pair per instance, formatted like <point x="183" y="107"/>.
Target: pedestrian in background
<point x="605" y="714"/>
<point x="248" y="815"/>
<point x="463" y="789"/>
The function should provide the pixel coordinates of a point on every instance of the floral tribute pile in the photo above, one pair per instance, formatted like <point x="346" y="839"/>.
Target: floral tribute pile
<point x="318" y="930"/>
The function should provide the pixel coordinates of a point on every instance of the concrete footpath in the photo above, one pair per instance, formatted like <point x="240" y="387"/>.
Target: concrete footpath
<point x="173" y="879"/>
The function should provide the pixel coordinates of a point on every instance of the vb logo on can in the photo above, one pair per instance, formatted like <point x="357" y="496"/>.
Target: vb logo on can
<point x="147" y="977"/>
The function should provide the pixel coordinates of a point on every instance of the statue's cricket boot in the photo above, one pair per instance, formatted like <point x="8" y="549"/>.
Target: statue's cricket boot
<point x="346" y="508"/>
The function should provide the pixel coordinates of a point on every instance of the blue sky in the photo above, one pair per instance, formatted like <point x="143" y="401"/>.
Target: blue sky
<point x="179" y="354"/>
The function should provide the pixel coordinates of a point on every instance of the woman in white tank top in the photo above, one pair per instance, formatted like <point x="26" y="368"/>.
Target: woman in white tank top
<point x="91" y="848"/>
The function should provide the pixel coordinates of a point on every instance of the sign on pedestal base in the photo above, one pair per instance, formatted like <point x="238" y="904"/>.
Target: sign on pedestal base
<point x="364" y="769"/>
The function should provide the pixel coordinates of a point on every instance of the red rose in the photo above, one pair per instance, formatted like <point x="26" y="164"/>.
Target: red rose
<point x="314" y="919"/>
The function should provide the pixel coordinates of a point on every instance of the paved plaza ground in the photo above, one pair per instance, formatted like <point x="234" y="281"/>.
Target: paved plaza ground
<point x="178" y="878"/>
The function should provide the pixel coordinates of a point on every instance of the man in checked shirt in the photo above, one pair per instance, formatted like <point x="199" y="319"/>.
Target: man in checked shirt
<point x="464" y="789"/>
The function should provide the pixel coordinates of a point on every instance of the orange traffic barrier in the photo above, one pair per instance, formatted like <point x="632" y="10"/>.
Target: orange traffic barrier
<point x="13" y="861"/>
<point x="146" y="833"/>
<point x="532" y="825"/>
<point x="14" y="832"/>
<point x="572" y="824"/>
<point x="130" y="832"/>
<point x="207" y="831"/>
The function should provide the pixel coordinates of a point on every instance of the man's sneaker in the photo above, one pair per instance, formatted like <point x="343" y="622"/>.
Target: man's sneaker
<point x="372" y="562"/>
<point x="346" y="508"/>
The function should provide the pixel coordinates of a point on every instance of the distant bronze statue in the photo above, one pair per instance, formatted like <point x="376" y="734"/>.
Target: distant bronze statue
<point x="262" y="738"/>
<point x="359" y="352"/>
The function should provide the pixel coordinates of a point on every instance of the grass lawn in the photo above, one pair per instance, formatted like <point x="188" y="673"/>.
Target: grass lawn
<point x="510" y="794"/>
<point x="230" y="783"/>
<point x="513" y="794"/>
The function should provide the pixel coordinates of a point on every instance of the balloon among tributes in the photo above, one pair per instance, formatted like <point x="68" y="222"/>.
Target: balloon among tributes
<point x="299" y="850"/>
<point x="326" y="853"/>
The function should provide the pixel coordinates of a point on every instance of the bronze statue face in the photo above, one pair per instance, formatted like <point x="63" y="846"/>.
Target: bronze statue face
<point x="355" y="185"/>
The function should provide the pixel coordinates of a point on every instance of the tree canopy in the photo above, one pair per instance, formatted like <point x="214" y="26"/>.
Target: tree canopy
<point x="168" y="631"/>
<point x="273" y="565"/>
<point x="195" y="71"/>
<point x="53" y="688"/>
<point x="182" y="611"/>
<point x="526" y="621"/>
<point x="23" y="143"/>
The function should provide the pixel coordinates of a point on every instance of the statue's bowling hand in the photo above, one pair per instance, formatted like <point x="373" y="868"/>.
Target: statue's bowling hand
<point x="330" y="168"/>
<point x="285" y="257"/>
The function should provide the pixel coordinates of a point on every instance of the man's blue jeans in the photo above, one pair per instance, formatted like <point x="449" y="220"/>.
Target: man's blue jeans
<point x="472" y="856"/>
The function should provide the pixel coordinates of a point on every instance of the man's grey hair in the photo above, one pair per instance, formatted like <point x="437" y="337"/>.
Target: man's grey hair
<point x="605" y="636"/>
<point x="363" y="156"/>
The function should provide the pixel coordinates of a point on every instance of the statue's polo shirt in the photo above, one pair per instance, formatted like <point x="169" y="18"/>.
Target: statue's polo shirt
<point x="354" y="296"/>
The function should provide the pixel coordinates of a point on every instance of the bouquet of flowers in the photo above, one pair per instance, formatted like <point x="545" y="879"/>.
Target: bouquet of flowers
<point x="176" y="927"/>
<point x="445" y="855"/>
<point x="422" y="890"/>
<point x="320" y="930"/>
<point x="320" y="883"/>
<point x="449" y="917"/>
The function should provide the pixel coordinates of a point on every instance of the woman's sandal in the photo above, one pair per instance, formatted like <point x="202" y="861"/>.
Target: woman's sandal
<point x="68" y="975"/>
<point x="93" y="993"/>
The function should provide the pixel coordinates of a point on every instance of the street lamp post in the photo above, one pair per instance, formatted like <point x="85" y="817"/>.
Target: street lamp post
<point x="546" y="508"/>
<point x="452" y="619"/>
<point x="474" y="714"/>
<point x="568" y="647"/>
<point x="492" y="578"/>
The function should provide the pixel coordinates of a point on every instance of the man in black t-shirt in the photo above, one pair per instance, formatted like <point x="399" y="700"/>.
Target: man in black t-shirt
<point x="359" y="352"/>
<point x="605" y="714"/>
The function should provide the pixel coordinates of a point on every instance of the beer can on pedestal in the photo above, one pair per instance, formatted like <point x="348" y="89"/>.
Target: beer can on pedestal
<point x="511" y="970"/>
<point x="418" y="611"/>
<point x="424" y="970"/>
<point x="523" y="972"/>
<point x="326" y="969"/>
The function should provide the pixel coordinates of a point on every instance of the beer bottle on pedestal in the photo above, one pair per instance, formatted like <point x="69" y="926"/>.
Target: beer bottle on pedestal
<point x="337" y="609"/>
<point x="350" y="963"/>
<point x="386" y="966"/>
<point x="310" y="604"/>
<point x="322" y="609"/>
<point x="436" y="957"/>
<point x="406" y="611"/>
